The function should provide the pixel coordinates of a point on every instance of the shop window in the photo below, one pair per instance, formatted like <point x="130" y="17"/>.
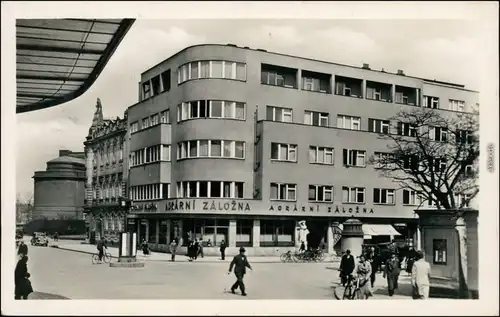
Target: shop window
<point x="162" y="239"/>
<point x="277" y="233"/>
<point x="152" y="232"/>
<point x="244" y="229"/>
<point x="214" y="230"/>
<point x="439" y="251"/>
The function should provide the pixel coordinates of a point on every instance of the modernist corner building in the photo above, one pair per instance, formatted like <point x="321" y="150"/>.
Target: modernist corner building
<point x="238" y="144"/>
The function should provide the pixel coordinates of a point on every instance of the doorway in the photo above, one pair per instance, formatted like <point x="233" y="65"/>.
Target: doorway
<point x="317" y="233"/>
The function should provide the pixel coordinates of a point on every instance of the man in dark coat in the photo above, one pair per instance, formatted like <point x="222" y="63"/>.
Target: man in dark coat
<point x="101" y="245"/>
<point x="371" y="258"/>
<point x="21" y="278"/>
<point x="23" y="248"/>
<point x="240" y="264"/>
<point x="196" y="248"/>
<point x="223" y="250"/>
<point x="347" y="265"/>
<point x="391" y="271"/>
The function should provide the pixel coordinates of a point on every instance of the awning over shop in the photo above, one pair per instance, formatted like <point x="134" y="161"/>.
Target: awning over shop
<point x="57" y="60"/>
<point x="370" y="230"/>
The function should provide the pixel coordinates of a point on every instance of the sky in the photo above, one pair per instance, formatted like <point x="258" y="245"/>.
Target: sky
<point x="435" y="49"/>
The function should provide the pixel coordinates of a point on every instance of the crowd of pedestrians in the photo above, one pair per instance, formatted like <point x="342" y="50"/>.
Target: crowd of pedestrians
<point x="369" y="264"/>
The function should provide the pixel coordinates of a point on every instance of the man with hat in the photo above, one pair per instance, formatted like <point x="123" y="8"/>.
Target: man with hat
<point x="240" y="264"/>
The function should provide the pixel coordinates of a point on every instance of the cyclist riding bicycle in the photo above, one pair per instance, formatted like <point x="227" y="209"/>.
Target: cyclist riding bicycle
<point x="101" y="245"/>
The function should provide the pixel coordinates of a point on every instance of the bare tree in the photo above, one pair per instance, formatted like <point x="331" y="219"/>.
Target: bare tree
<point x="434" y="154"/>
<point x="24" y="209"/>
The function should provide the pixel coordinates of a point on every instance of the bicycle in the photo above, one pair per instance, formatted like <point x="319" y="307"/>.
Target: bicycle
<point x="106" y="257"/>
<point x="287" y="257"/>
<point x="351" y="290"/>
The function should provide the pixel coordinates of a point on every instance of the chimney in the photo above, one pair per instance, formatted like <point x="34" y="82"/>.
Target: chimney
<point x="400" y="72"/>
<point x="366" y="66"/>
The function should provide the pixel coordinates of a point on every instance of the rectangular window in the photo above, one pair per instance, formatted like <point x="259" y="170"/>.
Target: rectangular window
<point x="193" y="148"/>
<point x="155" y="83"/>
<point x="155" y="119"/>
<point x="440" y="165"/>
<point x="456" y="105"/>
<point x="238" y="190"/>
<point x="216" y="69"/>
<point x="204" y="69"/>
<point x="216" y="108"/>
<point x="384" y="160"/>
<point x="165" y="191"/>
<point x="320" y="193"/>
<point x="319" y="119"/>
<point x="229" y="70"/>
<point x="145" y="123"/>
<point x="410" y="198"/>
<point x="353" y="195"/>
<point x="215" y="189"/>
<point x="321" y="155"/>
<point x="241" y="71"/>
<point x="431" y="102"/>
<point x="239" y="151"/>
<point x="194" y="70"/>
<point x="348" y="122"/>
<point x="439" y="134"/>
<point x="281" y="191"/>
<point x="354" y="157"/>
<point x="378" y="126"/>
<point x="462" y="200"/>
<point x="284" y="152"/>
<point x="203" y="148"/>
<point x="165" y="78"/>
<point x="439" y="251"/>
<point x="279" y="114"/>
<point x="165" y="116"/>
<point x="165" y="153"/>
<point x="215" y="148"/>
<point x="464" y="137"/>
<point x="406" y="129"/>
<point x="146" y="90"/>
<point x="134" y="127"/>
<point x="383" y="196"/>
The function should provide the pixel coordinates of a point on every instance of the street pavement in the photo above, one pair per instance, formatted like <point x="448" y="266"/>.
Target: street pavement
<point x="57" y="273"/>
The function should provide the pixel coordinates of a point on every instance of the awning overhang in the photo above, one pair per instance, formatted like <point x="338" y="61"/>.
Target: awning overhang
<point x="370" y="230"/>
<point x="57" y="60"/>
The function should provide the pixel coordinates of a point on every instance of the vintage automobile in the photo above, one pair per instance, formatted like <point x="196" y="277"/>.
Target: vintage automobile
<point x="40" y="238"/>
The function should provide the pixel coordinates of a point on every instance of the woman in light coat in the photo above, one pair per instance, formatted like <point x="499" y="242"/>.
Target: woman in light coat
<point x="364" y="271"/>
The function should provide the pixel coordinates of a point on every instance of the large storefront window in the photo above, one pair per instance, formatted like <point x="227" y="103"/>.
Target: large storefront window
<point x="163" y="232"/>
<point x="277" y="233"/>
<point x="152" y="231"/>
<point x="209" y="230"/>
<point x="244" y="229"/>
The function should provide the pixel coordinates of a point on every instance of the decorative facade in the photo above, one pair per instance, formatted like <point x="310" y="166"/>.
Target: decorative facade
<point x="106" y="176"/>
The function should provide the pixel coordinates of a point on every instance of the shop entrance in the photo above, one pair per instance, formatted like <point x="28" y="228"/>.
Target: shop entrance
<point x="317" y="233"/>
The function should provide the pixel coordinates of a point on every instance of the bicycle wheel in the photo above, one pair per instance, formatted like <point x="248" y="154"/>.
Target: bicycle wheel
<point x="95" y="258"/>
<point x="294" y="257"/>
<point x="348" y="293"/>
<point x="107" y="257"/>
<point x="284" y="257"/>
<point x="321" y="257"/>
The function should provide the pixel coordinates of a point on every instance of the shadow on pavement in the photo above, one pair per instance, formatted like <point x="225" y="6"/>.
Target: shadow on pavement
<point x="40" y="295"/>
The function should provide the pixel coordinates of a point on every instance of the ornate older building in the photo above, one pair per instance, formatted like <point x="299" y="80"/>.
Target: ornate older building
<point x="106" y="176"/>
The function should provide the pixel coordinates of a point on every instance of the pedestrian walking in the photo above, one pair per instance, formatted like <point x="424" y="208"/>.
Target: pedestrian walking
<point x="391" y="271"/>
<point x="56" y="236"/>
<point x="364" y="271"/>
<point x="191" y="253"/>
<point x="173" y="250"/>
<point x="372" y="259"/>
<point x="145" y="247"/>
<point x="240" y="263"/>
<point x="420" y="277"/>
<point x="223" y="250"/>
<point x="347" y="265"/>
<point x="410" y="259"/>
<point x="200" y="249"/>
<point x="23" y="249"/>
<point x="196" y="249"/>
<point x="21" y="278"/>
<point x="101" y="245"/>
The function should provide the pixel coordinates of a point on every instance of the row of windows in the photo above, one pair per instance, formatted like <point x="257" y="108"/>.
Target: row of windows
<point x="355" y="195"/>
<point x="155" y="153"/>
<point x="209" y="189"/>
<point x="211" y="148"/>
<point x="156" y="85"/>
<point x="150" y="192"/>
<point x="212" y="69"/>
<point x="109" y="157"/>
<point x="211" y="109"/>
<point x="321" y="119"/>
<point x="352" y="87"/>
<point x="112" y="224"/>
<point x="150" y="121"/>
<point x="107" y="192"/>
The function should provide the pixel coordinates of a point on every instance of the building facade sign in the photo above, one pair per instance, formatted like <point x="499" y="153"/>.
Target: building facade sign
<point x="207" y="205"/>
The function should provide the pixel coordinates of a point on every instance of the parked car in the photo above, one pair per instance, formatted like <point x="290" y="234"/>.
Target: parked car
<point x="40" y="238"/>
